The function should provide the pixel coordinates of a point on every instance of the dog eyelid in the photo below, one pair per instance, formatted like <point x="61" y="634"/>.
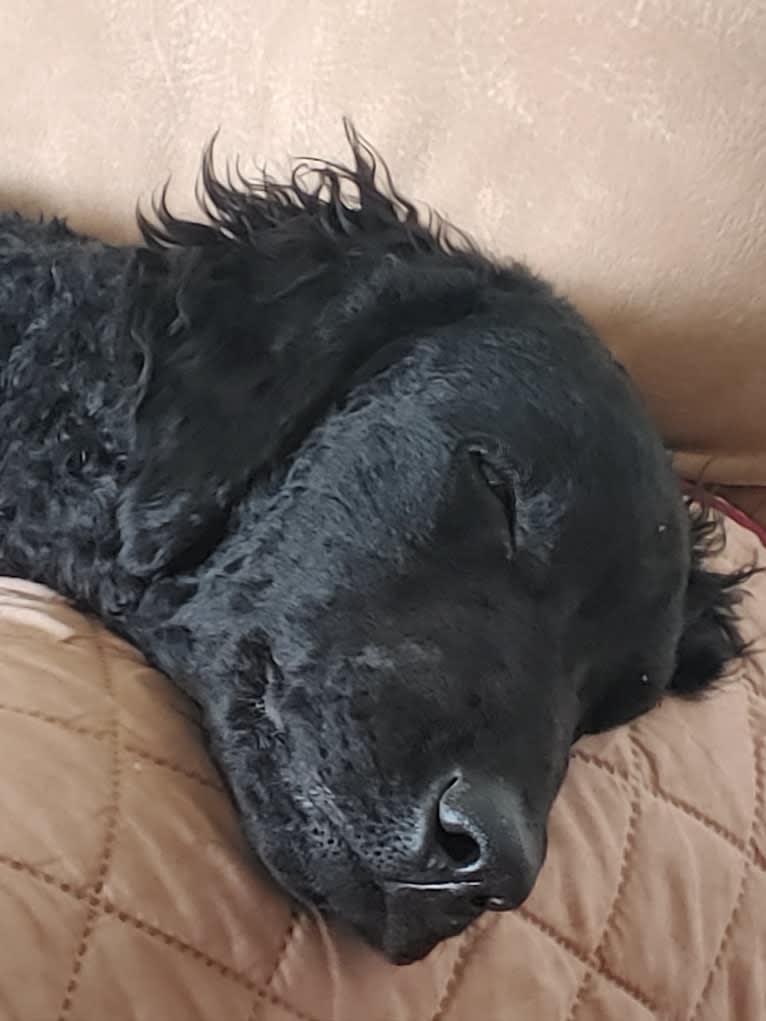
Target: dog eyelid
<point x="501" y="489"/>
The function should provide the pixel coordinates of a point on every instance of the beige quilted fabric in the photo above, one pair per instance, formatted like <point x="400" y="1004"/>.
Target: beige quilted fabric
<point x="126" y="891"/>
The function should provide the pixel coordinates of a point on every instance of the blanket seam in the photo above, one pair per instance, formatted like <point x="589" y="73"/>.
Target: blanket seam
<point x="95" y="901"/>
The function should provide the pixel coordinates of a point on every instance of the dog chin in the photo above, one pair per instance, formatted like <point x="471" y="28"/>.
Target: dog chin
<point x="411" y="944"/>
<point x="412" y="952"/>
<point x="411" y="928"/>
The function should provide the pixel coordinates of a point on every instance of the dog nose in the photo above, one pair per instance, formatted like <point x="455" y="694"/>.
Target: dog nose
<point x="483" y="851"/>
<point x="482" y="837"/>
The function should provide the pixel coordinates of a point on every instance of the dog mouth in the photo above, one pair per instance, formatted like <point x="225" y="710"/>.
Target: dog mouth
<point x="419" y="916"/>
<point x="402" y="921"/>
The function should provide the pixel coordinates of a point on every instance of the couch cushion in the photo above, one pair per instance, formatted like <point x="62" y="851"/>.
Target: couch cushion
<point x="126" y="890"/>
<point x="620" y="147"/>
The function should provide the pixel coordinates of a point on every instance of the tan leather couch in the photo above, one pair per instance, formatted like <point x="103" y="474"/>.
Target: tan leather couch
<point x="621" y="149"/>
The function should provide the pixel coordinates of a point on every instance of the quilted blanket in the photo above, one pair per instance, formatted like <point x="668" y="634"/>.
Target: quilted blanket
<point x="126" y="891"/>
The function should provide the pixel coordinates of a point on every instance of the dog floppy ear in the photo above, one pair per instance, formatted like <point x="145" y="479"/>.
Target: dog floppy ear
<point x="239" y="365"/>
<point x="194" y="446"/>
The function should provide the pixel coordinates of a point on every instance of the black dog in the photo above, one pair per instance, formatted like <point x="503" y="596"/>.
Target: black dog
<point x="383" y="506"/>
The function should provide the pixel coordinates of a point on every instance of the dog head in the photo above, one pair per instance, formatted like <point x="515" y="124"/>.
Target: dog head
<point x="407" y="531"/>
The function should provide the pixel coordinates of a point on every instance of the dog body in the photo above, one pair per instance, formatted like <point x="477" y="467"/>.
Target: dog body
<point x="383" y="506"/>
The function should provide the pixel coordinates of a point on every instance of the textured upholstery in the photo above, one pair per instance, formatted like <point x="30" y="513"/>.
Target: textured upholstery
<point x="126" y="891"/>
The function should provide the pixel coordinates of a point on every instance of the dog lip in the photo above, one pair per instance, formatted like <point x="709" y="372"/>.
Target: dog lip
<point x="448" y="886"/>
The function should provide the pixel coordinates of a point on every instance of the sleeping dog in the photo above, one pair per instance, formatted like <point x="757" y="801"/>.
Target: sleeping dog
<point x="384" y="506"/>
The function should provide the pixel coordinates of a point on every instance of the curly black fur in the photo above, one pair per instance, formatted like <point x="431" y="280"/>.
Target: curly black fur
<point x="383" y="505"/>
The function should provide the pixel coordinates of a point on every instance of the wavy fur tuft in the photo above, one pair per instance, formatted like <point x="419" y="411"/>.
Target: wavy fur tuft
<point x="323" y="202"/>
<point x="711" y="640"/>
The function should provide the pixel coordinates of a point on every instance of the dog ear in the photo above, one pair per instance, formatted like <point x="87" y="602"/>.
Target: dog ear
<point x="711" y="639"/>
<point x="237" y="368"/>
<point x="192" y="447"/>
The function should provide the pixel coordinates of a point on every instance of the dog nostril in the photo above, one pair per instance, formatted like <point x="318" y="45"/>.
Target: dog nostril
<point x="454" y="835"/>
<point x="460" y="847"/>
